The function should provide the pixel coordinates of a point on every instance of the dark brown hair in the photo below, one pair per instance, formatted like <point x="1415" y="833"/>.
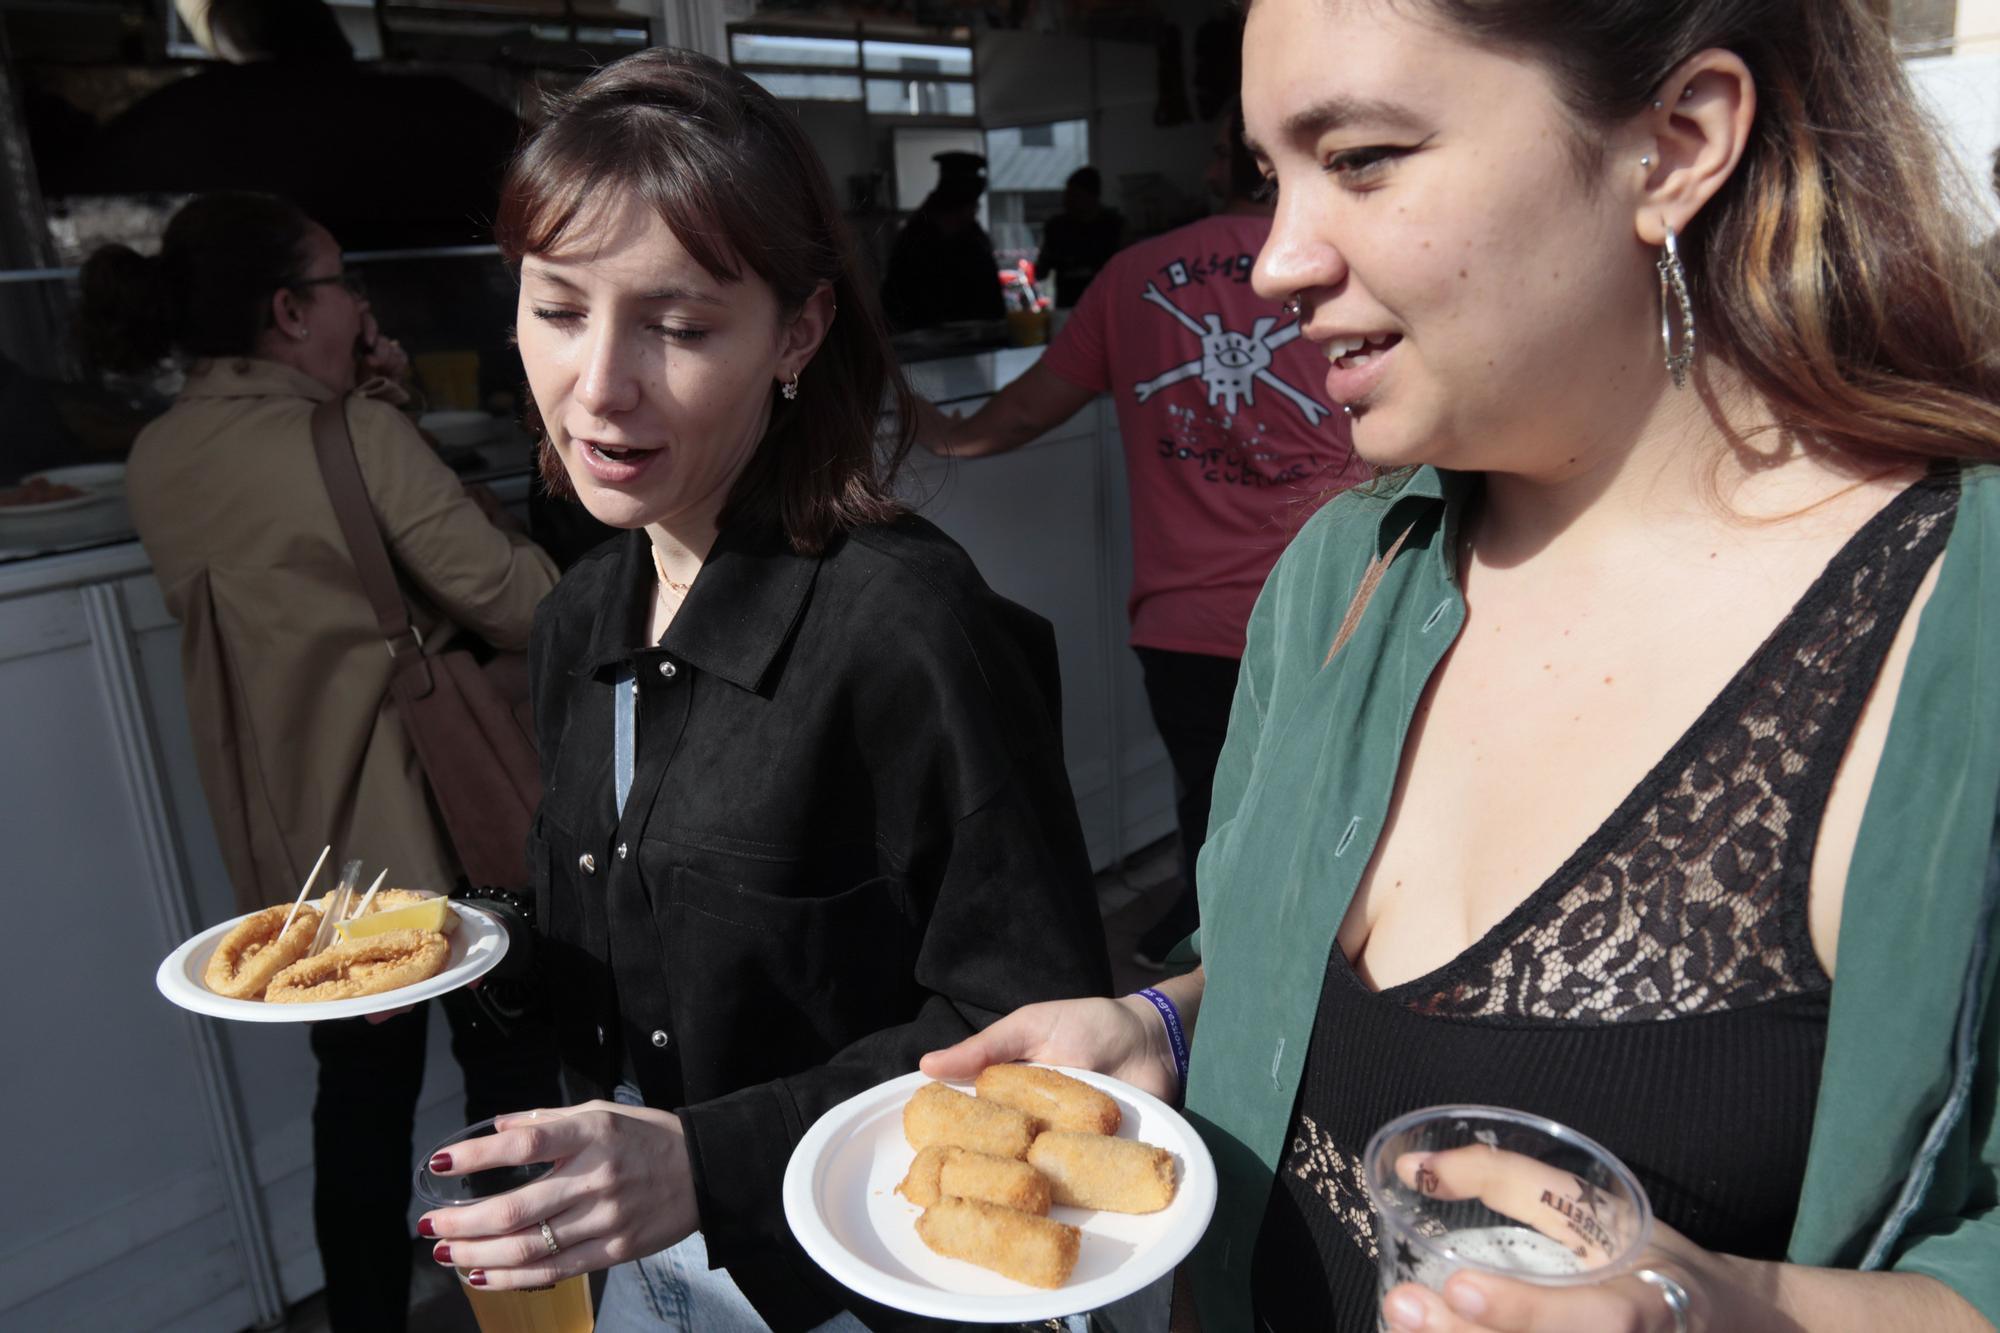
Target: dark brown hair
<point x="734" y="177"/>
<point x="1834" y="269"/>
<point x="208" y="293"/>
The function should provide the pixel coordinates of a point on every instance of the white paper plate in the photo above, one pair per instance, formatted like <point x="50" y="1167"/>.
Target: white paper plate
<point x="841" y="1202"/>
<point x="477" y="945"/>
<point x="89" y="476"/>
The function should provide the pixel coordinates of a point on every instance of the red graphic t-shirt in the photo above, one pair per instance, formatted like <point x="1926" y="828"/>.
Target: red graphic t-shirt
<point x="1230" y="441"/>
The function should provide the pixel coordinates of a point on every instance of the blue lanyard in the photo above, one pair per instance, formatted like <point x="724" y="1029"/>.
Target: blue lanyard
<point x="625" y="731"/>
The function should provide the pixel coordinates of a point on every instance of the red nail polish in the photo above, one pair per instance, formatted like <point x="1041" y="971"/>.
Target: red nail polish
<point x="440" y="1161"/>
<point x="441" y="1252"/>
<point x="477" y="1277"/>
<point x="424" y="1227"/>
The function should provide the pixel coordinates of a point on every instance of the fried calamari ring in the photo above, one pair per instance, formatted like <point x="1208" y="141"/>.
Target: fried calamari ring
<point x="251" y="954"/>
<point x="384" y="962"/>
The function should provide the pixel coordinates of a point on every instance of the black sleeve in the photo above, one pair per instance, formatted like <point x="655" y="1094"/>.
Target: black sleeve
<point x="959" y="732"/>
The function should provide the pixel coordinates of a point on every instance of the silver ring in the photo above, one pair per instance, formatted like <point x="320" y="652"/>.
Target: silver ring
<point x="1672" y="1292"/>
<point x="549" y="1239"/>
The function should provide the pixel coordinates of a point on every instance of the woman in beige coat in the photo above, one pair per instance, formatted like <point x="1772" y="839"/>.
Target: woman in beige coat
<point x="286" y="673"/>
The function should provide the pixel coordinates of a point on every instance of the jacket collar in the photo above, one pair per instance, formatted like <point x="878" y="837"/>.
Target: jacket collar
<point x="738" y="616"/>
<point x="250" y="377"/>
<point x="1424" y="493"/>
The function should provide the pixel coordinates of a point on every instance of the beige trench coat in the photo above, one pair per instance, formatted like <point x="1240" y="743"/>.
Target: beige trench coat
<point x="286" y="674"/>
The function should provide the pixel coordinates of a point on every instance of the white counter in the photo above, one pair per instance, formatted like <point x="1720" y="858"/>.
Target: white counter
<point x="160" y="1167"/>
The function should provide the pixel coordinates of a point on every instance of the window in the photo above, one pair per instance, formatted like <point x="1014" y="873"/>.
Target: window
<point x="890" y="77"/>
<point x="1025" y="170"/>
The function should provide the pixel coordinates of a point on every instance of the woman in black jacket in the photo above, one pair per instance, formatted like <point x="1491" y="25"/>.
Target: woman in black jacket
<point x="806" y="812"/>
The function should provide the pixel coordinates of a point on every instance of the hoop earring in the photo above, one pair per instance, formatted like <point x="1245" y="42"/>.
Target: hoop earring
<point x="1674" y="297"/>
<point x="790" y="389"/>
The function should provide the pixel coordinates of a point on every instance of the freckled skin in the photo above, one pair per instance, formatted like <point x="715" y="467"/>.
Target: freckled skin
<point x="1485" y="170"/>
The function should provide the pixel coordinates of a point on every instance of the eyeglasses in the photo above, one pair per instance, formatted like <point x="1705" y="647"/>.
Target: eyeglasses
<point x="351" y="281"/>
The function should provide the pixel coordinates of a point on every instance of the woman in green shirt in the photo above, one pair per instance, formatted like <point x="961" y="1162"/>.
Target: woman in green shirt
<point x="1446" y="847"/>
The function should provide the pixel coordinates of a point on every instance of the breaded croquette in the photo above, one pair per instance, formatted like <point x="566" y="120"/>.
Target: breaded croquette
<point x="941" y="1114"/>
<point x="1051" y="1100"/>
<point x="1094" y="1171"/>
<point x="1034" y="1250"/>
<point x="942" y="1169"/>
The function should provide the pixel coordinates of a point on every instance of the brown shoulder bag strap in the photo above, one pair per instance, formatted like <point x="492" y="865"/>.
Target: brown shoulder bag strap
<point x="333" y="445"/>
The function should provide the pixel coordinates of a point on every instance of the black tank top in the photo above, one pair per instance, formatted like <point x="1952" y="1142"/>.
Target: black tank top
<point x="1660" y="992"/>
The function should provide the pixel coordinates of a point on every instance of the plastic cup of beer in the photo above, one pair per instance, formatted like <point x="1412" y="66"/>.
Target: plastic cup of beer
<point x="1522" y="1197"/>
<point x="561" y="1308"/>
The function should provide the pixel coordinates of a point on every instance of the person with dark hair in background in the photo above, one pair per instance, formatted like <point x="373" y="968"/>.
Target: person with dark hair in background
<point x="1081" y="239"/>
<point x="806" y="810"/>
<point x="941" y="267"/>
<point x="1630" y="754"/>
<point x="1228" y="450"/>
<point x="296" y="737"/>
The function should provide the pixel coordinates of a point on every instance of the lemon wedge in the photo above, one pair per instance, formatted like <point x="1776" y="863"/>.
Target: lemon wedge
<point x="431" y="914"/>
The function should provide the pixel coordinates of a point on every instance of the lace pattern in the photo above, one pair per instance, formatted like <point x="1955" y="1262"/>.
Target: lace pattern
<point x="1691" y="898"/>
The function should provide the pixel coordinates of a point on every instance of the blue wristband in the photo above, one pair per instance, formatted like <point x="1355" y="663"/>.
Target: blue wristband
<point x="1176" y="1037"/>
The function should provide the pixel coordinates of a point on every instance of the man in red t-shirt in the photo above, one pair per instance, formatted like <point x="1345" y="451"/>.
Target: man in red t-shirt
<point x="1230" y="444"/>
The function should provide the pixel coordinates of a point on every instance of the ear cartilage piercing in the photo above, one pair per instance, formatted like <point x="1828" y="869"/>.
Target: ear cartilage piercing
<point x="1646" y="161"/>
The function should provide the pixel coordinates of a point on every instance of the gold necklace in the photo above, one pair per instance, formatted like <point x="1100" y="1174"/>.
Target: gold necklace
<point x="679" y="589"/>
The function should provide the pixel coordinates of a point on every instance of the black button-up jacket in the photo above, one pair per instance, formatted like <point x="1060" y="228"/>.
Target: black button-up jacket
<point x="850" y="839"/>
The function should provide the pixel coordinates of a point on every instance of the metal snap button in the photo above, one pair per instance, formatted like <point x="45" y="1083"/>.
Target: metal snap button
<point x="669" y="670"/>
<point x="587" y="864"/>
<point x="660" y="1038"/>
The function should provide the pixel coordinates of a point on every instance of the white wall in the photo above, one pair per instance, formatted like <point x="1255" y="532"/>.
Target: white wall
<point x="1978" y="27"/>
<point x="1962" y="93"/>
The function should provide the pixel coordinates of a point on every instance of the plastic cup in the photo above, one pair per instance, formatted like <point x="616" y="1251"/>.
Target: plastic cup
<point x="563" y="1307"/>
<point x="1553" y="1207"/>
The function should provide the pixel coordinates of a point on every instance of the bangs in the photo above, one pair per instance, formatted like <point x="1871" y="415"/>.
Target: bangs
<point x="563" y="185"/>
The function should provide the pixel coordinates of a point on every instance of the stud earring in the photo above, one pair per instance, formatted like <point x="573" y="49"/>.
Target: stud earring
<point x="301" y="333"/>
<point x="1674" y="299"/>
<point x="790" y="389"/>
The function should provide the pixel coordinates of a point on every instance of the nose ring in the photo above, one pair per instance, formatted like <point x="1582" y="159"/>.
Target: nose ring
<point x="1293" y="306"/>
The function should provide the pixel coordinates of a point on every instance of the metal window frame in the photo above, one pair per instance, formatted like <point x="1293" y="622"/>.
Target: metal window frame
<point x="859" y="32"/>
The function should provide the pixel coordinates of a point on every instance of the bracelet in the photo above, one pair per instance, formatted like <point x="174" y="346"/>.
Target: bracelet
<point x="1176" y="1036"/>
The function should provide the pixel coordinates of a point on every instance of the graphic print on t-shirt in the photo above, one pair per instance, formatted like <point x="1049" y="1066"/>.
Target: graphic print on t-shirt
<point x="1231" y="364"/>
<point x="1230" y="442"/>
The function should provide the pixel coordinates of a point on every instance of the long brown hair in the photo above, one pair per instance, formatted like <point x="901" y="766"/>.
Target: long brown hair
<point x="731" y="173"/>
<point x="1835" y="269"/>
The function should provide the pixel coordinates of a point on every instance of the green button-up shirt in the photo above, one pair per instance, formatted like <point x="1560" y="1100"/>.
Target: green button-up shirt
<point x="1905" y="1151"/>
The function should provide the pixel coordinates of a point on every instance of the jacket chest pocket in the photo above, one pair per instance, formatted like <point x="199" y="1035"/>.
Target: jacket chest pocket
<point x="751" y="950"/>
